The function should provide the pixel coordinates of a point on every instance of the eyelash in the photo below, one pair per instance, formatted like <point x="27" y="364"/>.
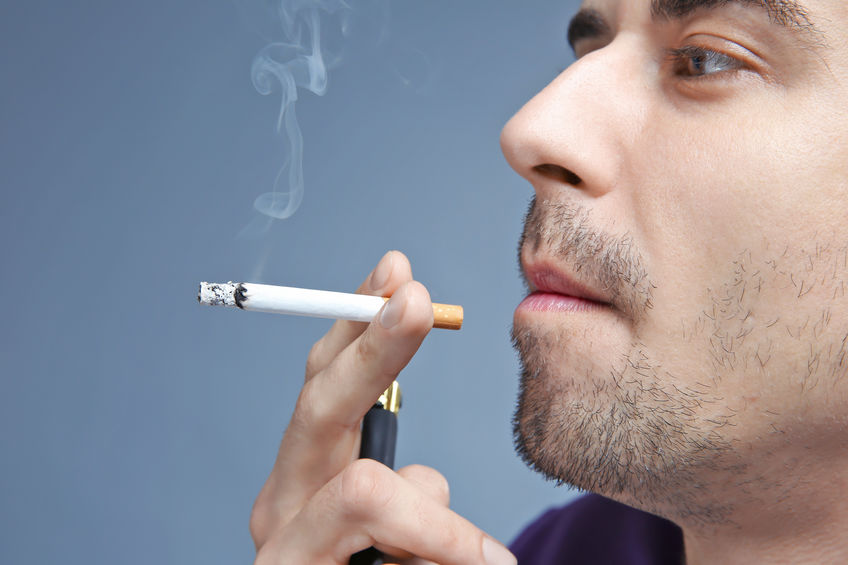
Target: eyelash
<point x="682" y="61"/>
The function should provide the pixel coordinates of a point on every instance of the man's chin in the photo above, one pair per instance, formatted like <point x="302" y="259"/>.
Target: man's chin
<point x="567" y="436"/>
<point x="566" y="413"/>
<point x="616" y="430"/>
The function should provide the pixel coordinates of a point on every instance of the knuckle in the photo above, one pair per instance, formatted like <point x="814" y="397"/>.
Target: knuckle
<point x="438" y="483"/>
<point x="432" y="481"/>
<point x="315" y="413"/>
<point x="365" y="488"/>
<point x="370" y="355"/>
<point x="453" y="540"/>
<point x="315" y="359"/>
<point x="306" y="415"/>
<point x="443" y="487"/>
<point x="365" y="349"/>
<point x="260" y="519"/>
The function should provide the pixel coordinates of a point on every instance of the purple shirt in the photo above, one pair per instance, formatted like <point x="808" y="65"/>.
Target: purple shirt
<point x="595" y="530"/>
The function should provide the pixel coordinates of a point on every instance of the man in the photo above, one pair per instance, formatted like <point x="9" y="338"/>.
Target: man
<point x="684" y="339"/>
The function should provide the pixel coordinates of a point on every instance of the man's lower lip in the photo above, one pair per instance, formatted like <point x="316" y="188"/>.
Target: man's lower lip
<point x="553" y="302"/>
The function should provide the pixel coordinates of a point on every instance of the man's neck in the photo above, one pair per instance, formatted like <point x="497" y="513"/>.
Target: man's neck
<point x="823" y="548"/>
<point x="806" y="523"/>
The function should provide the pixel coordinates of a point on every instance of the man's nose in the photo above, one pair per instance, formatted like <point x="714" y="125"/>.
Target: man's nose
<point x="579" y="130"/>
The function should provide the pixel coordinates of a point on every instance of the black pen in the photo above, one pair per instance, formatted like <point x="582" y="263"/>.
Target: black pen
<point x="379" y="437"/>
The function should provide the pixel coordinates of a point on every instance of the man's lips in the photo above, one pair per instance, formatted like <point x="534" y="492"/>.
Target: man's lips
<point x="554" y="291"/>
<point x="549" y="280"/>
<point x="552" y="302"/>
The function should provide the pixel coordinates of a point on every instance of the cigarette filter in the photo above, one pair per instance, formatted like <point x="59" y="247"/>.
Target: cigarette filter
<point x="314" y="303"/>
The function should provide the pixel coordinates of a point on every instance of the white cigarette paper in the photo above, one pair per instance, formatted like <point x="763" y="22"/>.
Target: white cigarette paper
<point x="313" y="303"/>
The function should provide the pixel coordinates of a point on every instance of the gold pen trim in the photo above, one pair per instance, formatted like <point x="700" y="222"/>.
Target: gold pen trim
<point x="391" y="398"/>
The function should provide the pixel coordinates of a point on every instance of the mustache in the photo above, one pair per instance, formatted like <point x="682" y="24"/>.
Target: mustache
<point x="607" y="262"/>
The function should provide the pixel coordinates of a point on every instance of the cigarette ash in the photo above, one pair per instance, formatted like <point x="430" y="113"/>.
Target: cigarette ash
<point x="216" y="294"/>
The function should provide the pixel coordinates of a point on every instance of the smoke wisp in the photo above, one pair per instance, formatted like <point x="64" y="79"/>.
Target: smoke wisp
<point x="308" y="39"/>
<point x="297" y="62"/>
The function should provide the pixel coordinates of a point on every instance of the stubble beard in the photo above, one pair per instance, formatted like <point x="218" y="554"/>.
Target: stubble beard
<point x="619" y="431"/>
<point x="614" y="427"/>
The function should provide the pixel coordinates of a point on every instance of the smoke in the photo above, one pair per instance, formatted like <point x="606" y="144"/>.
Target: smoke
<point x="309" y="36"/>
<point x="296" y="62"/>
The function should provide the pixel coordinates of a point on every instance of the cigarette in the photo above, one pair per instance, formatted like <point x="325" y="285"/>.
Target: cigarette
<point x="314" y="303"/>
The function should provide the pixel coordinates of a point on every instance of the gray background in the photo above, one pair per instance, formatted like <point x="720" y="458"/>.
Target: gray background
<point x="137" y="426"/>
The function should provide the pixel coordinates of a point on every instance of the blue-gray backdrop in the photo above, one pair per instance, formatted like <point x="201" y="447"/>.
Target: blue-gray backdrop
<point x="137" y="426"/>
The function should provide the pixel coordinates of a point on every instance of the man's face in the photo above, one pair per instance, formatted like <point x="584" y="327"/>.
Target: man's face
<point x="690" y="228"/>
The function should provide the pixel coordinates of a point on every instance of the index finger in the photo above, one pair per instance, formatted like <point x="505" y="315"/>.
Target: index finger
<point x="391" y="272"/>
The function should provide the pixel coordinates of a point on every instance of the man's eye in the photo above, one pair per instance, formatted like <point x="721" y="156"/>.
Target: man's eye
<point x="695" y="62"/>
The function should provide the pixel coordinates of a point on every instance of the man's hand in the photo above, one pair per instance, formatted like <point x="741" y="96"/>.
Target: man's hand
<point x="320" y="503"/>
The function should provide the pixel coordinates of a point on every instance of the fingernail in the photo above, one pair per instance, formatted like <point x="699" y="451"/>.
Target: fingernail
<point x="381" y="273"/>
<point x="392" y="312"/>
<point x="496" y="554"/>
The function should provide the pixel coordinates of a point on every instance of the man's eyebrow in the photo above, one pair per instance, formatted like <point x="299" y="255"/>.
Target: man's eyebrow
<point x="589" y="23"/>
<point x="586" y="24"/>
<point x="786" y="13"/>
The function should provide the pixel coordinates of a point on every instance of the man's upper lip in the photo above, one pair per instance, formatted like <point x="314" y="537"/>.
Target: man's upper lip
<point x="544" y="277"/>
